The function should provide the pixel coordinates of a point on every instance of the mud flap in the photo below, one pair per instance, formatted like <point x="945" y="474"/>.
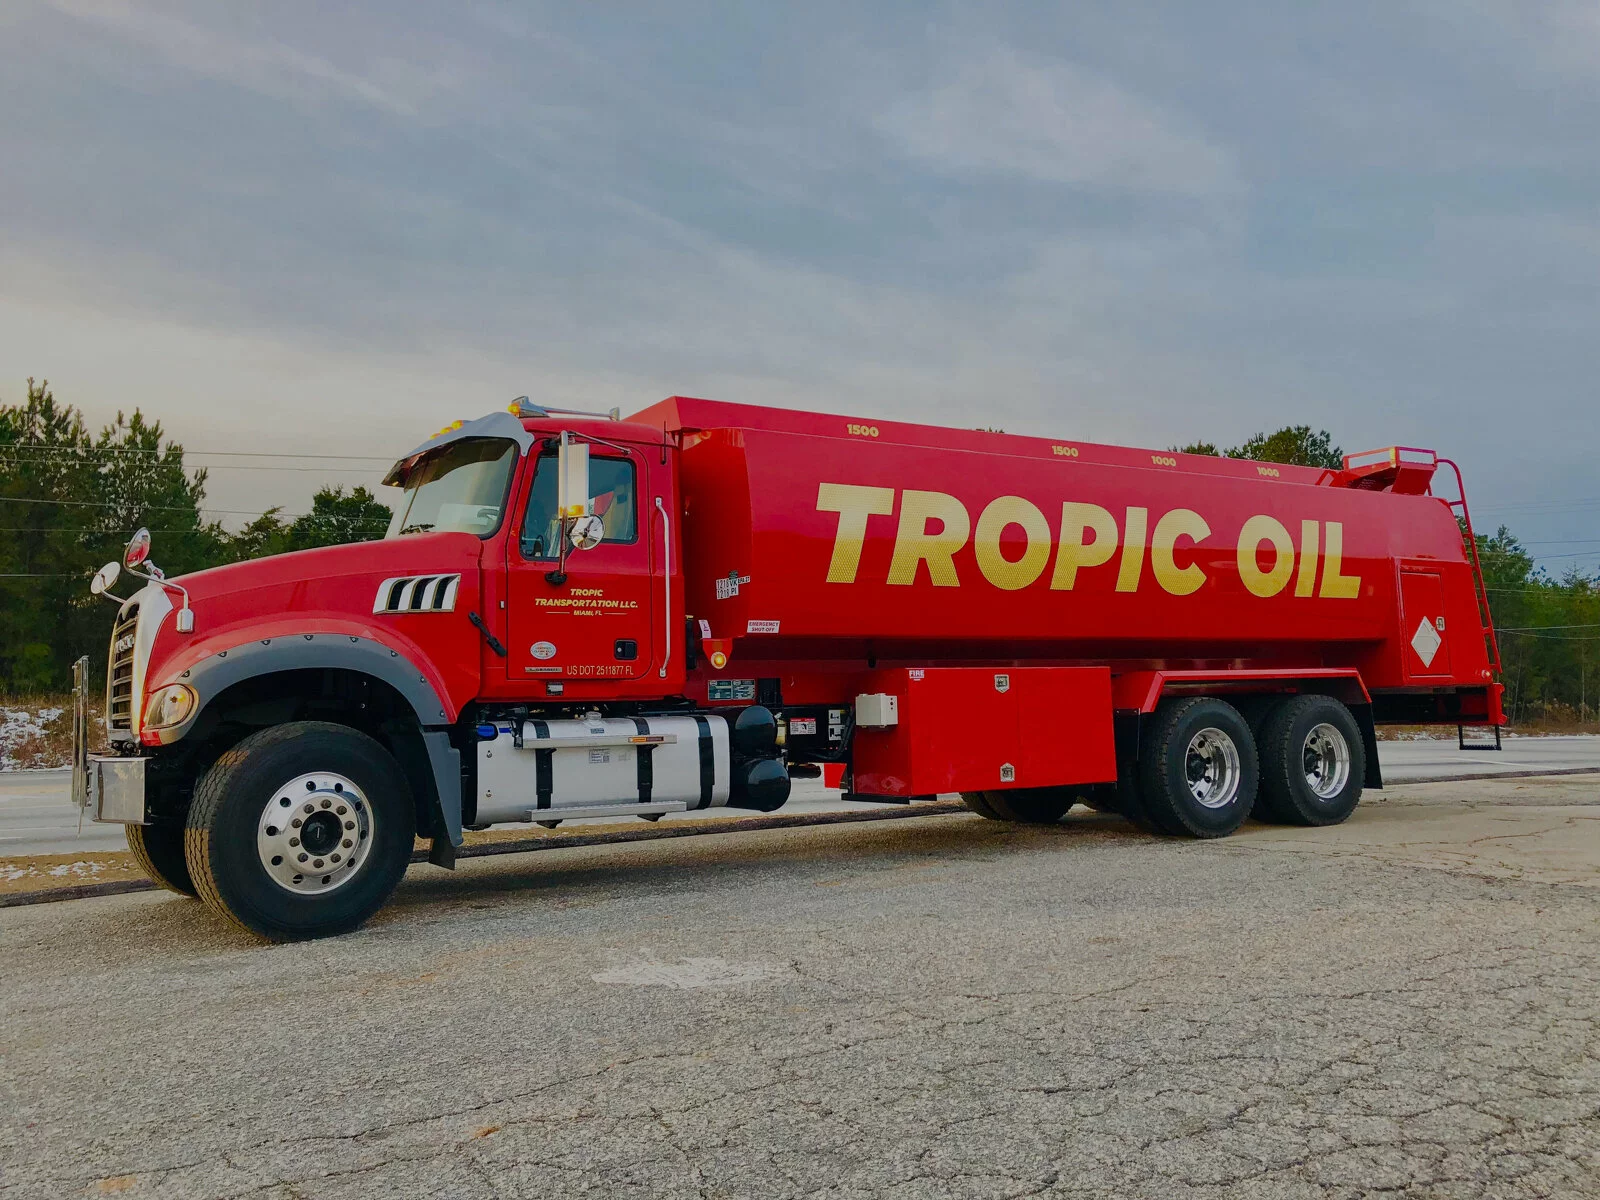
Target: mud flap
<point x="445" y="762"/>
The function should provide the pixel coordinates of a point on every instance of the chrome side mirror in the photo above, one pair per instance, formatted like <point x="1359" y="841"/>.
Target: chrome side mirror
<point x="138" y="549"/>
<point x="572" y="477"/>
<point x="587" y="532"/>
<point x="104" y="579"/>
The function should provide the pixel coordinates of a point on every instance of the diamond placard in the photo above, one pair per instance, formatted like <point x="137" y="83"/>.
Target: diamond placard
<point x="1426" y="642"/>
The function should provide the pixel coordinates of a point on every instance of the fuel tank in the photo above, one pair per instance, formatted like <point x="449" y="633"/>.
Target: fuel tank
<point x="808" y="535"/>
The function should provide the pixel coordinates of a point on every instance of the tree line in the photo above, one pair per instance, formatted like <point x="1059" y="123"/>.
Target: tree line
<point x="70" y="497"/>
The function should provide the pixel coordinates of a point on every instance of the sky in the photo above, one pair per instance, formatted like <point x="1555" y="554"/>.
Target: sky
<point x="306" y="229"/>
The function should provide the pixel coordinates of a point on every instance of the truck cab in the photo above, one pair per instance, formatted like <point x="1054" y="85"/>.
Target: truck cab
<point x="526" y="603"/>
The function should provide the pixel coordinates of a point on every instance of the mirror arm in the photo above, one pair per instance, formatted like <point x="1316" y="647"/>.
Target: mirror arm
<point x="559" y="576"/>
<point x="185" y="619"/>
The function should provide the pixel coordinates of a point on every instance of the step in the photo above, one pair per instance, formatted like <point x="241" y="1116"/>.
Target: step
<point x="570" y="812"/>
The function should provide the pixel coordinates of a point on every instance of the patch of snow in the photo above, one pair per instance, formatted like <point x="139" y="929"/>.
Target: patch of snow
<point x="18" y="726"/>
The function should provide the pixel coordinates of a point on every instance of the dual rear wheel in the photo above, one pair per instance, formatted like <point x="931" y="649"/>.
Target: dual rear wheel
<point x="1202" y="770"/>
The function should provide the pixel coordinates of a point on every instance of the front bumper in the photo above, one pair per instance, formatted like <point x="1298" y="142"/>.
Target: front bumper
<point x="107" y="788"/>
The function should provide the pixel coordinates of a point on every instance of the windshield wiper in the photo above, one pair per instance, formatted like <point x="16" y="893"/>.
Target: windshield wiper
<point x="417" y="528"/>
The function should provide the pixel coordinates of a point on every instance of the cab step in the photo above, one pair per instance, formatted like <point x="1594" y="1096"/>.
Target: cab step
<point x="551" y="817"/>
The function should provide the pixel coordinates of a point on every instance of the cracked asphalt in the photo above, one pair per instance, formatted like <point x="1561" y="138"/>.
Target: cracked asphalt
<point x="1404" y="1005"/>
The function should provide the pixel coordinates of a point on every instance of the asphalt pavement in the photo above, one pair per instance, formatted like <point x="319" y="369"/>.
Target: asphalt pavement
<point x="36" y="817"/>
<point x="1405" y="1005"/>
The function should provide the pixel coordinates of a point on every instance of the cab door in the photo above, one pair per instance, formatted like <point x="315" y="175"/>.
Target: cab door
<point x="595" y="625"/>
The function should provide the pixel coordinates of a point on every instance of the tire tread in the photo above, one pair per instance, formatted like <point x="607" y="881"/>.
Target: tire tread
<point x="144" y="843"/>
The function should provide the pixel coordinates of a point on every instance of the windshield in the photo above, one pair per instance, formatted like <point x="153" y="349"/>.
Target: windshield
<point x="460" y="488"/>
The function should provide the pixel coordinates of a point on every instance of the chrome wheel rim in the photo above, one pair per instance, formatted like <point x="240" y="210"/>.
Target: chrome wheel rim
<point x="1211" y="765"/>
<point x="1326" y="759"/>
<point x="315" y="833"/>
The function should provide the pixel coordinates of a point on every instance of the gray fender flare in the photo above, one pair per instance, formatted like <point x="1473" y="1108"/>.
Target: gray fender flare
<point x="335" y="651"/>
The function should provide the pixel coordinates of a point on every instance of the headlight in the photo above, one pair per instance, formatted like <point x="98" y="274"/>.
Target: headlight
<point x="169" y="706"/>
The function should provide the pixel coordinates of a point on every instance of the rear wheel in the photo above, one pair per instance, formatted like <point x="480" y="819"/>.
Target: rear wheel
<point x="1027" y="806"/>
<point x="300" y="831"/>
<point x="1197" y="768"/>
<point x="1313" y="762"/>
<point x="158" y="849"/>
<point x="978" y="803"/>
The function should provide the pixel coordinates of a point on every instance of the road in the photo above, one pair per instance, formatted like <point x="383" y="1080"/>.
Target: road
<point x="944" y="1007"/>
<point x="35" y="817"/>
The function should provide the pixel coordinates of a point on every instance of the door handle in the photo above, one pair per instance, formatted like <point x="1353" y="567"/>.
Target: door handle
<point x="666" y="558"/>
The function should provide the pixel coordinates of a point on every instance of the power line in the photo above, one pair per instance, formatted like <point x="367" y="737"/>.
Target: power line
<point x="1537" y="628"/>
<point x="89" y="451"/>
<point x="228" y="512"/>
<point x="374" y="523"/>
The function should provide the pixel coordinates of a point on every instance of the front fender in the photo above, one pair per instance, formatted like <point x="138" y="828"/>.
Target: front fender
<point x="214" y="674"/>
<point x="218" y="671"/>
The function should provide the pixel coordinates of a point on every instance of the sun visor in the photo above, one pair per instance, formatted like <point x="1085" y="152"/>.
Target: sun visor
<point x="495" y="425"/>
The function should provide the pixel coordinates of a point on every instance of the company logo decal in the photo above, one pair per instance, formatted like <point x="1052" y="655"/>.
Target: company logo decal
<point x="933" y="526"/>
<point x="543" y="650"/>
<point x="585" y="602"/>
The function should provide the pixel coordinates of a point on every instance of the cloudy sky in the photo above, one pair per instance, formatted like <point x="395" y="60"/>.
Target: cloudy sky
<point x="313" y="229"/>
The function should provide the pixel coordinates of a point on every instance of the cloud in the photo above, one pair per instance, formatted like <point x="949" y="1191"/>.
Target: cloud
<point x="1053" y="122"/>
<point x="367" y="218"/>
<point x="261" y="63"/>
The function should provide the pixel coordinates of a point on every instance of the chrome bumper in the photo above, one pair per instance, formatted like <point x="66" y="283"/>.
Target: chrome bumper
<point x="105" y="788"/>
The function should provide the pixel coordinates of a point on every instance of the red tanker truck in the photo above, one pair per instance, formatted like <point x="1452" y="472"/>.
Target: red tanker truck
<point x="575" y="615"/>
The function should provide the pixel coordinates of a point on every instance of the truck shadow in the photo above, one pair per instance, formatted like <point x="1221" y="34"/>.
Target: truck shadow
<point x="699" y="864"/>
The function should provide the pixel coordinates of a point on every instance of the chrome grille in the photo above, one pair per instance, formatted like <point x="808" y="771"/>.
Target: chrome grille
<point x="119" y="677"/>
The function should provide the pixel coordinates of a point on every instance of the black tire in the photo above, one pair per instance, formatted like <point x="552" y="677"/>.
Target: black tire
<point x="158" y="849"/>
<point x="229" y="811"/>
<point x="1168" y="758"/>
<point x="1102" y="798"/>
<point x="1287" y="793"/>
<point x="1025" y="806"/>
<point x="978" y="803"/>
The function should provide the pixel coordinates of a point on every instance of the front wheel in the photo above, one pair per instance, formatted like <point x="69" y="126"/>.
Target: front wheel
<point x="300" y="831"/>
<point x="158" y="849"/>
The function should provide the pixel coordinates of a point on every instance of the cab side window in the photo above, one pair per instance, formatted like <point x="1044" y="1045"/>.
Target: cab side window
<point x="611" y="480"/>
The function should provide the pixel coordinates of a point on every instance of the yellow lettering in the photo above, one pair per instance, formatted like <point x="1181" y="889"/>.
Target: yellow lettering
<point x="1076" y="520"/>
<point x="913" y="543"/>
<point x="1180" y="522"/>
<point x="996" y="567"/>
<point x="1306" y="578"/>
<point x="1132" y="550"/>
<point x="1265" y="529"/>
<point x="854" y="504"/>
<point x="1334" y="585"/>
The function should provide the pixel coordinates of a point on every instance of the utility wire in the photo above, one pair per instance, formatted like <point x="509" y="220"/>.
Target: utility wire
<point x="90" y="451"/>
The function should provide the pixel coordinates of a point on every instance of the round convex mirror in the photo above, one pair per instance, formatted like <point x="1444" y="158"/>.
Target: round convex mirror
<point x="104" y="579"/>
<point x="587" y="532"/>
<point x="138" y="549"/>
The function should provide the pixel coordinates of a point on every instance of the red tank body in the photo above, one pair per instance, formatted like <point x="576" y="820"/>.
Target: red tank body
<point x="811" y="537"/>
